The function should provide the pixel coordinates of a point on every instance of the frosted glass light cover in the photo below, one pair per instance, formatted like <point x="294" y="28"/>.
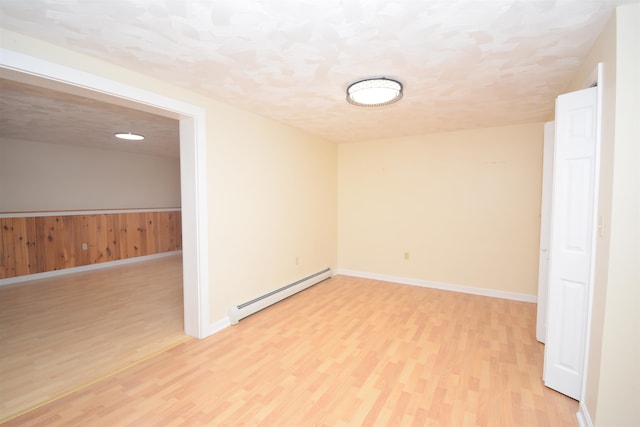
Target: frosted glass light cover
<point x="374" y="92"/>
<point x="129" y="136"/>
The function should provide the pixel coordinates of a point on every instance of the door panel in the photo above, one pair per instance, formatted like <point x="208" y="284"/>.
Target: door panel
<point x="572" y="300"/>
<point x="545" y="232"/>
<point x="571" y="248"/>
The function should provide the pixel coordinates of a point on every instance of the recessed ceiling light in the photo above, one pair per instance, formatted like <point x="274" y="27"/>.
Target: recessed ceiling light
<point x="129" y="136"/>
<point x="374" y="92"/>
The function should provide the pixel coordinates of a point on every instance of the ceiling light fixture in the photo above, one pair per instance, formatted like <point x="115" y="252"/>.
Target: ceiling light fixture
<point x="129" y="136"/>
<point x="374" y="92"/>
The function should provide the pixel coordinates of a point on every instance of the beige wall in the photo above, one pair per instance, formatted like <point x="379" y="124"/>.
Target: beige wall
<point x="465" y="205"/>
<point x="272" y="199"/>
<point x="613" y="372"/>
<point x="271" y="189"/>
<point x="49" y="177"/>
<point x="620" y="366"/>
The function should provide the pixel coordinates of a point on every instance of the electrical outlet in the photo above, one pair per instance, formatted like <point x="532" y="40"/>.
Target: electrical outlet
<point x="85" y="246"/>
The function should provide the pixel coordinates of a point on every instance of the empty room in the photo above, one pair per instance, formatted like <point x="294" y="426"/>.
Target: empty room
<point x="323" y="213"/>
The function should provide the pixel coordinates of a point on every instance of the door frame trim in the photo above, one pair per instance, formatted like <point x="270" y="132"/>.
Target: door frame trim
<point x="596" y="80"/>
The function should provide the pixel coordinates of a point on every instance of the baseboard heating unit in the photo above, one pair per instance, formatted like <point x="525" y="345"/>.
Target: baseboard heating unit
<point x="248" y="308"/>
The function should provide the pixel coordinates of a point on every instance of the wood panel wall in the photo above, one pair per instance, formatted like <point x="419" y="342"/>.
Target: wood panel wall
<point x="39" y="244"/>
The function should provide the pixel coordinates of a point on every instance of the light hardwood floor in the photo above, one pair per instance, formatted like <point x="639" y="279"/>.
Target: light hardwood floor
<point x="60" y="333"/>
<point x="345" y="352"/>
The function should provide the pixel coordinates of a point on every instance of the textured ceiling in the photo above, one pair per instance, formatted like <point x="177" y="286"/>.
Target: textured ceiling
<point x="464" y="64"/>
<point x="37" y="114"/>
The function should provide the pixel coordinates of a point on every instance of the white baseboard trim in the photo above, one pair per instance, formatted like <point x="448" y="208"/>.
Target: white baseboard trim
<point x="55" y="273"/>
<point x="438" y="285"/>
<point x="584" y="419"/>
<point x="219" y="325"/>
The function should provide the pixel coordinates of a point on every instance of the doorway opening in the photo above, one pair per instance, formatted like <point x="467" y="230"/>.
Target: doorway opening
<point x="37" y="72"/>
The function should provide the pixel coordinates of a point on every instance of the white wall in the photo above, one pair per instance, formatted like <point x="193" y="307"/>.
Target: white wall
<point x="48" y="177"/>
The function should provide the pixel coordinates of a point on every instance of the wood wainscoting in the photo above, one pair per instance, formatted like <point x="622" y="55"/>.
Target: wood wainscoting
<point x="36" y="244"/>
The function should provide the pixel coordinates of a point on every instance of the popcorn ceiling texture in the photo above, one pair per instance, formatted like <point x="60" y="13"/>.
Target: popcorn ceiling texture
<point x="464" y="64"/>
<point x="37" y="114"/>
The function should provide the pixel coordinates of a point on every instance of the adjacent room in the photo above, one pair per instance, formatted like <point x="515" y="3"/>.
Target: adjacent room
<point x="88" y="200"/>
<point x="345" y="213"/>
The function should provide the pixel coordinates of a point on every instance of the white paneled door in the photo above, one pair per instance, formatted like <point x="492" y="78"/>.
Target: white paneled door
<point x="545" y="231"/>
<point x="571" y="243"/>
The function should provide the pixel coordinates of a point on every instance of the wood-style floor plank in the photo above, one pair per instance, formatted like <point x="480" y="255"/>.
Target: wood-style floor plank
<point x="346" y="352"/>
<point x="61" y="333"/>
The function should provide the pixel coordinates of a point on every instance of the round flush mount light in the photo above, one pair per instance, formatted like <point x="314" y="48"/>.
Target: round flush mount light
<point x="374" y="92"/>
<point x="129" y="136"/>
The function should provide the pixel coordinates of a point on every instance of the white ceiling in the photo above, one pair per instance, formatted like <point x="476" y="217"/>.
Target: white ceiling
<point x="464" y="64"/>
